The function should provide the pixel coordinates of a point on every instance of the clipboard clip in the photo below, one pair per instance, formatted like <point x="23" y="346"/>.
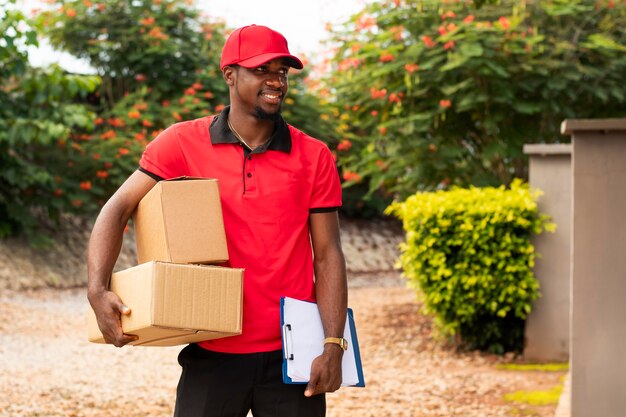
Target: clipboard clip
<point x="287" y="342"/>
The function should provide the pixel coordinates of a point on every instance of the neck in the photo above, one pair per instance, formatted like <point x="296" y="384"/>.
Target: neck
<point x="251" y="130"/>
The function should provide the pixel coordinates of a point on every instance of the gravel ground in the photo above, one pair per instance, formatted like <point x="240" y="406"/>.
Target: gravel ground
<point x="48" y="369"/>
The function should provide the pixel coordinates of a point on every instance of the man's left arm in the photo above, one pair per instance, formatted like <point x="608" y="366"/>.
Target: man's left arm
<point x="331" y="292"/>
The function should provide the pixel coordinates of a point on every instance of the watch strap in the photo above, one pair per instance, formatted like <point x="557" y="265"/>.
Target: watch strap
<point x="343" y="343"/>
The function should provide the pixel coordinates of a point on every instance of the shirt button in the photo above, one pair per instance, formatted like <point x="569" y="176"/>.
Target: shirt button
<point x="249" y="174"/>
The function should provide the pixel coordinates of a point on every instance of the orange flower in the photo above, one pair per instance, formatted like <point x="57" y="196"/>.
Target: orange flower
<point x="411" y="68"/>
<point x="165" y="103"/>
<point x="123" y="151"/>
<point x="116" y="122"/>
<point x="107" y="165"/>
<point x="102" y="174"/>
<point x="70" y="13"/>
<point x="77" y="203"/>
<point x="98" y="121"/>
<point x="445" y="103"/>
<point x="197" y="86"/>
<point x="378" y="93"/>
<point x="146" y="123"/>
<point x="147" y="21"/>
<point x="109" y="134"/>
<point x="381" y="164"/>
<point x="382" y="130"/>
<point x="134" y="114"/>
<point x="428" y="41"/>
<point x="219" y="108"/>
<point x="85" y="185"/>
<point x="364" y="22"/>
<point x="468" y="19"/>
<point x="208" y="95"/>
<point x="395" y="98"/>
<point x="58" y="192"/>
<point x="348" y="63"/>
<point x="95" y="156"/>
<point x="177" y="116"/>
<point x="156" y="33"/>
<point x="386" y="58"/>
<point x="140" y="136"/>
<point x="344" y="145"/>
<point x="374" y="113"/>
<point x="156" y="133"/>
<point x="87" y="3"/>
<point x="351" y="176"/>
<point x="451" y="27"/>
<point x="190" y="92"/>
<point x="101" y="7"/>
<point x="504" y="22"/>
<point x="442" y="30"/>
<point x="140" y="106"/>
<point x="448" y="14"/>
<point x="448" y="45"/>
<point x="182" y="100"/>
<point x="140" y="77"/>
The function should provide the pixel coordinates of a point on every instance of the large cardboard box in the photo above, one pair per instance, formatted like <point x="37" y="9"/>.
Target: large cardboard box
<point x="180" y="221"/>
<point x="173" y="304"/>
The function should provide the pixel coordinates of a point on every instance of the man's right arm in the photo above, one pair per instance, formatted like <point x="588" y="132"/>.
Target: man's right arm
<point x="104" y="248"/>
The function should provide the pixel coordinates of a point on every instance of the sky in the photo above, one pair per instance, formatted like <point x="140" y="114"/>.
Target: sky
<point x="303" y="23"/>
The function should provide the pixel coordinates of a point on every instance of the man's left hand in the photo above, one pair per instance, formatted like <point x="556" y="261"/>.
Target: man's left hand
<point x="325" y="371"/>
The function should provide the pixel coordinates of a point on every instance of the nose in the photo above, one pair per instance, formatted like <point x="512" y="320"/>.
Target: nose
<point x="276" y="80"/>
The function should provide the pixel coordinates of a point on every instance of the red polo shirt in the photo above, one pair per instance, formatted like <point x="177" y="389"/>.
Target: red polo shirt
<point x="267" y="196"/>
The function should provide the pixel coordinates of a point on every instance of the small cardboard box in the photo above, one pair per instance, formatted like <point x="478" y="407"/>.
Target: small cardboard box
<point x="180" y="221"/>
<point x="173" y="304"/>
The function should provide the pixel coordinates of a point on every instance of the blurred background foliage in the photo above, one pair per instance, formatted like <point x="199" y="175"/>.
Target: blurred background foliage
<point x="415" y="95"/>
<point x="436" y="94"/>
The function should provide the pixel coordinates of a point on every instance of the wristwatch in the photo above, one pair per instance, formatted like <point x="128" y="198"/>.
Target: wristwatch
<point x="343" y="343"/>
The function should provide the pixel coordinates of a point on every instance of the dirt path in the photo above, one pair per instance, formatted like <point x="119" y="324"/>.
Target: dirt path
<point x="48" y="369"/>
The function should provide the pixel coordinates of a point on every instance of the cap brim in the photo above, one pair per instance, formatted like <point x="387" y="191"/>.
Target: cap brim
<point x="258" y="60"/>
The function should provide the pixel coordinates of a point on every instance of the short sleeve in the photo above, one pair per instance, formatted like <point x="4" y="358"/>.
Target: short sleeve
<point x="163" y="156"/>
<point x="326" y="193"/>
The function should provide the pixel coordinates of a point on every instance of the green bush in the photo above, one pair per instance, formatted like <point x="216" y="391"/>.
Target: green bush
<point x="469" y="252"/>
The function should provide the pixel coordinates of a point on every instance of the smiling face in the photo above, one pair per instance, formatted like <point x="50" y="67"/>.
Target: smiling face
<point x="259" y="90"/>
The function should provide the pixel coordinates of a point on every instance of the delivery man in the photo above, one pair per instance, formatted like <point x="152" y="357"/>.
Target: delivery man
<point x="280" y="195"/>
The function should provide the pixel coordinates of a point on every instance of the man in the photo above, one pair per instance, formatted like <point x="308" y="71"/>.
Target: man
<point x="280" y="193"/>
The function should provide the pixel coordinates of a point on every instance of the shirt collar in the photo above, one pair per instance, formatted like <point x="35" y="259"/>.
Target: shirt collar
<point x="221" y="133"/>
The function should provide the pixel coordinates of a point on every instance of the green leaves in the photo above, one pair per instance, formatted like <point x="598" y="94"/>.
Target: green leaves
<point x="448" y="93"/>
<point x="469" y="252"/>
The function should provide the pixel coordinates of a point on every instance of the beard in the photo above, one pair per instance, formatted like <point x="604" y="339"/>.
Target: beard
<point x="263" y="115"/>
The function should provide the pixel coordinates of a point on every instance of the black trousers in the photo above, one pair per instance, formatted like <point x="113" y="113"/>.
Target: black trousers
<point x="214" y="384"/>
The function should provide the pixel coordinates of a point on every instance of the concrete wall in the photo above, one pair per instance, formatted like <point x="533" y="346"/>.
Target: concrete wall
<point x="548" y="325"/>
<point x="598" y="340"/>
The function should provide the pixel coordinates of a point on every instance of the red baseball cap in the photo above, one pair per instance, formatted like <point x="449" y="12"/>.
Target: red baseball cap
<point x="251" y="46"/>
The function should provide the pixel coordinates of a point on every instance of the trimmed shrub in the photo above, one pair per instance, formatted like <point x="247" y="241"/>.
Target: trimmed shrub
<point x="469" y="252"/>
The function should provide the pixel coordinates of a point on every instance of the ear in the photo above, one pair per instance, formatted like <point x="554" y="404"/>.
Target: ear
<point x="229" y="75"/>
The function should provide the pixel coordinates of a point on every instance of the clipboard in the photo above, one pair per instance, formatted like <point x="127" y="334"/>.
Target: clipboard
<point x="303" y="341"/>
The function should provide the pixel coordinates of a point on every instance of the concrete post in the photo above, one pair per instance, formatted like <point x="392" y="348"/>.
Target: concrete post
<point x="547" y="327"/>
<point x="598" y="330"/>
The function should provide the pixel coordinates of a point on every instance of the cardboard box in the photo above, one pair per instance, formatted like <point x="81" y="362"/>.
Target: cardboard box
<point x="180" y="221"/>
<point x="173" y="304"/>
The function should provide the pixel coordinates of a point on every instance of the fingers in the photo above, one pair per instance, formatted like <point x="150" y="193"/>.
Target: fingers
<point x="325" y="377"/>
<point x="108" y="312"/>
<point x="311" y="388"/>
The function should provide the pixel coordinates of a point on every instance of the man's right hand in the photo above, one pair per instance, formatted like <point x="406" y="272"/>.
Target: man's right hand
<point x="109" y="308"/>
